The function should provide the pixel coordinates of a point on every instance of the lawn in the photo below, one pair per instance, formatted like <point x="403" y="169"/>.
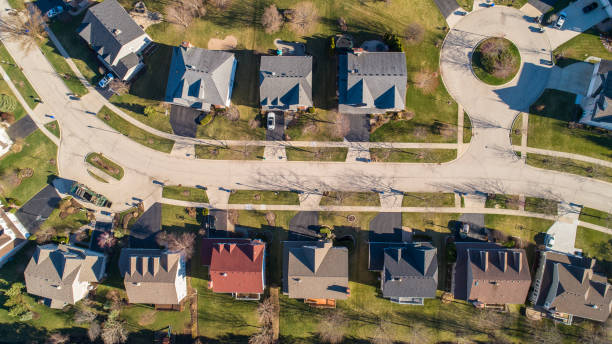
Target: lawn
<point x="511" y="3"/>
<point x="135" y="133"/>
<point x="17" y="110"/>
<point x="467" y="128"/>
<point x="68" y="223"/>
<point x="38" y="153"/>
<point x="541" y="205"/>
<point x="580" y="47"/>
<point x="428" y="199"/>
<point x="313" y="127"/>
<point x="134" y="315"/>
<point x="467" y="5"/>
<point x="523" y="227"/>
<point x="316" y="153"/>
<point x="58" y="62"/>
<point x="549" y="128"/>
<point x="54" y="128"/>
<point x="516" y="133"/>
<point x="598" y="245"/>
<point x="185" y="193"/>
<point x="264" y="197"/>
<point x="246" y="152"/>
<point x="347" y="198"/>
<point x="106" y="165"/>
<point x="500" y="201"/>
<point x="177" y="218"/>
<point x="21" y="83"/>
<point x="598" y="217"/>
<point x="581" y="168"/>
<point x="417" y="155"/>
<point x="17" y="4"/>
<point x="486" y="57"/>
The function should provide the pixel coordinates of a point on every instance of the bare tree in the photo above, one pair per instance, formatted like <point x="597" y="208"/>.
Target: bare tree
<point x="232" y="113"/>
<point x="28" y="27"/>
<point x="118" y="86"/>
<point x="183" y="12"/>
<point x="267" y="311"/>
<point x="94" y="331"/>
<point x="57" y="338"/>
<point x="106" y="240"/>
<point x="114" y="332"/>
<point x="178" y="242"/>
<point x="332" y="327"/>
<point x="303" y="17"/>
<point x="264" y="336"/>
<point x="414" y="33"/>
<point x="84" y="315"/>
<point x="271" y="20"/>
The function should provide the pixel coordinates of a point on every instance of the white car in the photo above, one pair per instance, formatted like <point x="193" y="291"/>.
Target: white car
<point x="54" y="11"/>
<point x="106" y="80"/>
<point x="271" y="120"/>
<point x="561" y="20"/>
<point x="550" y="240"/>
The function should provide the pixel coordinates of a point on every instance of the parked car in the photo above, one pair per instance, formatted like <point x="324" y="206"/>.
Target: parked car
<point x="54" y="11"/>
<point x="550" y="240"/>
<point x="106" y="80"/>
<point x="271" y="120"/>
<point x="590" y="7"/>
<point x="561" y="20"/>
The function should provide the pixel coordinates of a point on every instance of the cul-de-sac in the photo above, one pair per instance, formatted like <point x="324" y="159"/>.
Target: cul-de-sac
<point x="305" y="171"/>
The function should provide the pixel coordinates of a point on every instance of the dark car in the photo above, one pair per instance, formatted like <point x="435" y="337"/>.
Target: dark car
<point x="590" y="7"/>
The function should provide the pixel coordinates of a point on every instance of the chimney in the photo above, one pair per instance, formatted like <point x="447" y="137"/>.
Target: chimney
<point x="133" y="262"/>
<point x="156" y="264"/>
<point x="503" y="260"/>
<point x="484" y="260"/>
<point x="116" y="32"/>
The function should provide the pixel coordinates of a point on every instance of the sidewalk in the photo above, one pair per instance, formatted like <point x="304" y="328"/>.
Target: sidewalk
<point x="563" y="155"/>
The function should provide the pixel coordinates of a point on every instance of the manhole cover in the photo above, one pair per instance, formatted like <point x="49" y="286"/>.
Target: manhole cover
<point x="351" y="218"/>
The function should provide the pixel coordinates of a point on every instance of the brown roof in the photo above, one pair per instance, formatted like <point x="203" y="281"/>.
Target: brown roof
<point x="490" y="273"/>
<point x="237" y="268"/>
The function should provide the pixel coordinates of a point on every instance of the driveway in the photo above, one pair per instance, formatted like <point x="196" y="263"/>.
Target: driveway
<point x="576" y="22"/>
<point x="183" y="120"/>
<point x="304" y="226"/>
<point x="386" y="227"/>
<point x="45" y="5"/>
<point x="359" y="130"/>
<point x="279" y="127"/>
<point x="447" y="7"/>
<point x="22" y="128"/>
<point x="144" y="231"/>
<point x="564" y="229"/>
<point x="37" y="210"/>
<point x="574" y="78"/>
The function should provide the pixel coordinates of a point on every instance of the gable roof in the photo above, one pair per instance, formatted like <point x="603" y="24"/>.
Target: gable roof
<point x="376" y="261"/>
<point x="107" y="27"/>
<point x="569" y="285"/>
<point x="199" y="78"/>
<point x="237" y="268"/>
<point x="285" y="81"/>
<point x="372" y="82"/>
<point x="209" y="243"/>
<point x="410" y="271"/>
<point x="315" y="269"/>
<point x="54" y="269"/>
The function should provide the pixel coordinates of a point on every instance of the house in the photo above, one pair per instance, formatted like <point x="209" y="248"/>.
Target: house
<point x="285" y="83"/>
<point x="115" y="37"/>
<point x="489" y="275"/>
<point x="209" y="243"/>
<point x="63" y="274"/>
<point x="408" y="271"/>
<point x="200" y="78"/>
<point x="315" y="271"/>
<point x="13" y="235"/>
<point x="598" y="96"/>
<point x="153" y="276"/>
<point x="5" y="141"/>
<point x="238" y="269"/>
<point x="371" y="82"/>
<point x="565" y="286"/>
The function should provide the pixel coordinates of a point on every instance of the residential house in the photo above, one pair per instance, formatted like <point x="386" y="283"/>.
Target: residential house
<point x="408" y="271"/>
<point x="315" y="271"/>
<point x="200" y="78"/>
<point x="566" y="286"/>
<point x="153" y="276"/>
<point x="371" y="82"/>
<point x="285" y="83"/>
<point x="489" y="275"/>
<point x="595" y="103"/>
<point x="112" y="33"/>
<point x="63" y="274"/>
<point x="13" y="235"/>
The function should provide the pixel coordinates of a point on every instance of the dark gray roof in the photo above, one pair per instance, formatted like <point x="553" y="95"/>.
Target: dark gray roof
<point x="372" y="82"/>
<point x="199" y="78"/>
<point x="285" y="82"/>
<point x="410" y="271"/>
<point x="315" y="269"/>
<point x="107" y="27"/>
<point x="128" y="61"/>
<point x="376" y="260"/>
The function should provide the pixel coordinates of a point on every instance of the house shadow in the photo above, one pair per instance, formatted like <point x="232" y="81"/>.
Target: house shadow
<point x="150" y="83"/>
<point x="532" y="80"/>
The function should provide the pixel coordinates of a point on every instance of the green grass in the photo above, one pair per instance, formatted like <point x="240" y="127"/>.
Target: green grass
<point x="350" y="198"/>
<point x="548" y="127"/>
<point x="54" y="128"/>
<point x="428" y="199"/>
<point x="511" y="3"/>
<point x="176" y="218"/>
<point x="526" y="228"/>
<point x="135" y="133"/>
<point x="21" y="83"/>
<point x="179" y="321"/>
<point x="580" y="168"/>
<point x="516" y="131"/>
<point x="598" y="217"/>
<point x="541" y="205"/>
<point x="106" y="165"/>
<point x="229" y="152"/>
<point x="500" y="201"/>
<point x="598" y="245"/>
<point x="68" y="223"/>
<point x="313" y="127"/>
<point x="185" y="193"/>
<point x="580" y="47"/>
<point x="264" y="197"/>
<point x="488" y="76"/>
<point x="39" y="154"/>
<point x="17" y="4"/>
<point x="316" y="153"/>
<point x="467" y="5"/>
<point x="467" y="128"/>
<point x="413" y="155"/>
<point x="58" y="62"/>
<point x="18" y="111"/>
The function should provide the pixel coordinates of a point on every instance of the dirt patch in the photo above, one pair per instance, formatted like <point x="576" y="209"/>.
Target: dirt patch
<point x="147" y="318"/>
<point x="425" y="80"/>
<point x="228" y="43"/>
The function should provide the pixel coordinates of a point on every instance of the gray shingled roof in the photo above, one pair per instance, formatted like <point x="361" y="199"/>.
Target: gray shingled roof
<point x="410" y="271"/>
<point x="376" y="261"/>
<point x="372" y="82"/>
<point x="200" y="78"/>
<point x="315" y="269"/>
<point x="285" y="82"/>
<point x="53" y="271"/>
<point x="569" y="285"/>
<point x="149" y="275"/>
<point x="107" y="27"/>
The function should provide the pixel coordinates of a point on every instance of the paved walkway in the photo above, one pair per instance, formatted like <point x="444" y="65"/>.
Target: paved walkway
<point x="563" y="155"/>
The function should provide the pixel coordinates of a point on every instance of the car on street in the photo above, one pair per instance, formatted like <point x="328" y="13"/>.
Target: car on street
<point x="550" y="240"/>
<point x="561" y="20"/>
<point x="590" y="7"/>
<point x="271" y="121"/>
<point x="106" y="80"/>
<point x="54" y="11"/>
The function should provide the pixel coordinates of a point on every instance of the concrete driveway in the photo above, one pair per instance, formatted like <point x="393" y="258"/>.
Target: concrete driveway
<point x="183" y="120"/>
<point x="144" y="231"/>
<point x="279" y="126"/>
<point x="574" y="78"/>
<point x="564" y="229"/>
<point x="22" y="128"/>
<point x="304" y="226"/>
<point x="576" y="22"/>
<point x="386" y="227"/>
<point x="37" y="210"/>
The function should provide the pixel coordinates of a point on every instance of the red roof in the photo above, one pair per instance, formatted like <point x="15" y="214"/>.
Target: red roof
<point x="237" y="268"/>
<point x="209" y="243"/>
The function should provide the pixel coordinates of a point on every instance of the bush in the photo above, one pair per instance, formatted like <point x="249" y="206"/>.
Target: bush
<point x="7" y="103"/>
<point x="332" y="45"/>
<point x="312" y="109"/>
<point x="393" y="41"/>
<point x="7" y="117"/>
<point x="149" y="111"/>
